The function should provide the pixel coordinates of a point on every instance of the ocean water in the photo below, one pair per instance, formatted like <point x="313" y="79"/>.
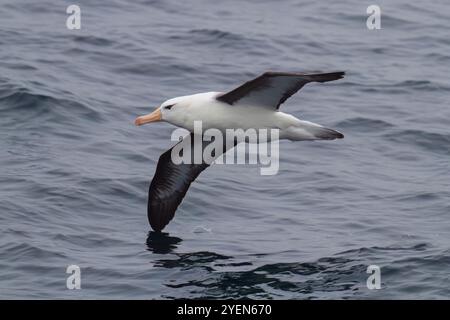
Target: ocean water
<point x="75" y="170"/>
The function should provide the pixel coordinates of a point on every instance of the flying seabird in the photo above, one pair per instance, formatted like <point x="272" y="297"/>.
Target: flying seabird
<point x="254" y="105"/>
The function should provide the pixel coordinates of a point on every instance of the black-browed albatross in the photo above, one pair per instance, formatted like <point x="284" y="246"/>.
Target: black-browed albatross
<point x="254" y="105"/>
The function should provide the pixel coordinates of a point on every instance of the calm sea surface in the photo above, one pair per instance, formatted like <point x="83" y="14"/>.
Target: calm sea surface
<point x="75" y="170"/>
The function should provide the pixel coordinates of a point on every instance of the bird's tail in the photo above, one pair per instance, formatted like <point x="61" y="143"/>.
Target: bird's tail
<point x="306" y="130"/>
<point x="322" y="133"/>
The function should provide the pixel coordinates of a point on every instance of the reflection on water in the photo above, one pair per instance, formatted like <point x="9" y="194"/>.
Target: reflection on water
<point x="209" y="275"/>
<point x="305" y="280"/>
<point x="161" y="242"/>
<point x="201" y="259"/>
<point x="206" y="274"/>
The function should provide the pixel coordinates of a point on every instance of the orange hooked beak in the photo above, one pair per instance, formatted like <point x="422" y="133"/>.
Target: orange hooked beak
<point x="151" y="117"/>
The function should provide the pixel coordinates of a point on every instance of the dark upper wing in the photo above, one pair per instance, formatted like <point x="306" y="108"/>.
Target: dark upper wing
<point x="171" y="182"/>
<point x="271" y="89"/>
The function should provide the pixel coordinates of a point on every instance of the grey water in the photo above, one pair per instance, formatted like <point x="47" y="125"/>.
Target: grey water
<point x="75" y="171"/>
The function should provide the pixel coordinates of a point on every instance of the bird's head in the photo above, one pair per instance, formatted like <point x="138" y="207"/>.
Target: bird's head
<point x="169" y="111"/>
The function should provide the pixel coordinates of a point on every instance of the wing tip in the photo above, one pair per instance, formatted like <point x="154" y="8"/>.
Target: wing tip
<point x="305" y="73"/>
<point x="329" y="76"/>
<point x="159" y="215"/>
<point x="313" y="76"/>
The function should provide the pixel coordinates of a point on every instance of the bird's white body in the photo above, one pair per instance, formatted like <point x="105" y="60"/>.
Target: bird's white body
<point x="213" y="113"/>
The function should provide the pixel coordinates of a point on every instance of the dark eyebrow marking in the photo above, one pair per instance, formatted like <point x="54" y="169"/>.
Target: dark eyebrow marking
<point x="169" y="107"/>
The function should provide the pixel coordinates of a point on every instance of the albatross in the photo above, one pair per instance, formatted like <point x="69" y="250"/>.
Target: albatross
<point x="253" y="105"/>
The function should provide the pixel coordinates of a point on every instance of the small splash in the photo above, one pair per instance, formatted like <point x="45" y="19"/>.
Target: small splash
<point x="201" y="229"/>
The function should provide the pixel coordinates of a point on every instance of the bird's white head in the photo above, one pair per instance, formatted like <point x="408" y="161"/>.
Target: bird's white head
<point x="170" y="111"/>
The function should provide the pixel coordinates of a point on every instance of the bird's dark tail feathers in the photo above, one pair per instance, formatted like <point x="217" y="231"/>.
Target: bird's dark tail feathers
<point x="322" y="133"/>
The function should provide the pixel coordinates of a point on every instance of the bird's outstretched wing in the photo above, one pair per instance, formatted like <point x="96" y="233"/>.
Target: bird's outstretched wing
<point x="171" y="181"/>
<point x="271" y="89"/>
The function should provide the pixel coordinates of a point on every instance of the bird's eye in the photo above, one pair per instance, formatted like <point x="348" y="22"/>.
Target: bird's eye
<point x="169" y="107"/>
